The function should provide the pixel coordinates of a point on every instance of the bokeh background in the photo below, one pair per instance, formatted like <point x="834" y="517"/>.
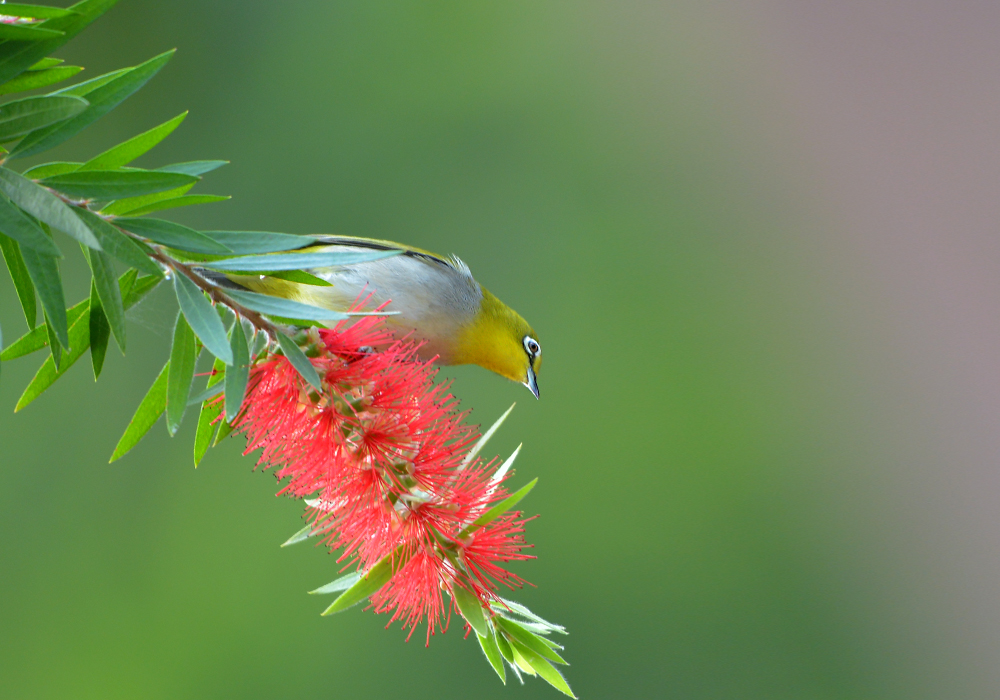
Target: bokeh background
<point x="759" y="242"/>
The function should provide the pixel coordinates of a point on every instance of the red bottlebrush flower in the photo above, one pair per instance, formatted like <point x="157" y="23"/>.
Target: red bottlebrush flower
<point x="378" y="454"/>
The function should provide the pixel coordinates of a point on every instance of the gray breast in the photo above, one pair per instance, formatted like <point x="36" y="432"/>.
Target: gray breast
<point x="433" y="298"/>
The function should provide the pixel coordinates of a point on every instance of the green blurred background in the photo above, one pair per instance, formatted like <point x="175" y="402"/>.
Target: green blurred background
<point x="758" y="243"/>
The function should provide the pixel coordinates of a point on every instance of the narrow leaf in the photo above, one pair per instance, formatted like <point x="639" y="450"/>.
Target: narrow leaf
<point x="205" y="322"/>
<point x="369" y="582"/>
<point x="471" y="609"/>
<point x="45" y="206"/>
<point x="37" y="338"/>
<point x="506" y="607"/>
<point x="25" y="231"/>
<point x="100" y="332"/>
<point x="224" y="430"/>
<point x="106" y="282"/>
<point x="173" y="235"/>
<point x="211" y="392"/>
<point x="341" y="584"/>
<point x="34" y="11"/>
<point x="125" y="153"/>
<point x="102" y="100"/>
<point x="252" y="242"/>
<point x="174" y="202"/>
<point x="23" y="32"/>
<point x="303" y="535"/>
<point x="152" y="405"/>
<point x="46" y="63"/>
<point x="119" y="245"/>
<point x="492" y="652"/>
<point x="543" y="668"/>
<point x="18" y="117"/>
<point x="504" y="468"/>
<point x="299" y="361"/>
<point x="54" y="347"/>
<point x="44" y="273"/>
<point x="22" y="280"/>
<point x="523" y="637"/>
<point x="276" y="306"/>
<point x="195" y="167"/>
<point x="237" y="375"/>
<point x="299" y="277"/>
<point x="116" y="184"/>
<point x="32" y="80"/>
<point x="46" y="169"/>
<point x="298" y="261"/>
<point x="21" y="55"/>
<point x="79" y="338"/>
<point x="207" y="416"/>
<point x="481" y="443"/>
<point x="183" y="353"/>
<point x="500" y="508"/>
<point x="126" y="206"/>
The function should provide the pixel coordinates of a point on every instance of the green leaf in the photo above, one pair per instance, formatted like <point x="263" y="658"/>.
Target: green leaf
<point x="209" y="412"/>
<point x="33" y="11"/>
<point x="47" y="63"/>
<point x="152" y="405"/>
<point x="237" y="375"/>
<point x="32" y="80"/>
<point x="183" y="353"/>
<point x="116" y="184"/>
<point x="299" y="361"/>
<point x="100" y="332"/>
<point x="369" y="582"/>
<point x="203" y="319"/>
<point x="126" y="206"/>
<point x="23" y="229"/>
<point x="276" y="306"/>
<point x="336" y="586"/>
<point x="303" y="535"/>
<point x="492" y="652"/>
<point x="54" y="347"/>
<point x="79" y="341"/>
<point x="124" y="153"/>
<point x="471" y="608"/>
<point x="508" y="607"/>
<point x="18" y="56"/>
<point x="44" y="273"/>
<point x="19" y="274"/>
<point x="21" y="116"/>
<point x="194" y="167"/>
<point x="299" y="277"/>
<point x="102" y="100"/>
<point x="297" y="261"/>
<point x="45" y="206"/>
<point x="24" y="32"/>
<point x="516" y="633"/>
<point x="224" y="430"/>
<point x="46" y="169"/>
<point x="543" y="668"/>
<point x="481" y="443"/>
<point x="173" y="235"/>
<point x="119" y="245"/>
<point x="106" y="282"/>
<point x="500" y="508"/>
<point x="37" y="338"/>
<point x="81" y="89"/>
<point x="132" y="292"/>
<point x="251" y="242"/>
<point x="174" y="202"/>
<point x="504" y="468"/>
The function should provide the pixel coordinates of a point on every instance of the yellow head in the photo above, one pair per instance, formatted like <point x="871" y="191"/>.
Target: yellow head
<point x="502" y="342"/>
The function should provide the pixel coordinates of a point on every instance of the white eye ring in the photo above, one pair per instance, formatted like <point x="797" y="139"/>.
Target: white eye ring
<point x="531" y="346"/>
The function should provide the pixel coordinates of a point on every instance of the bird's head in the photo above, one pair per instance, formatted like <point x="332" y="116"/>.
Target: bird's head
<point x="502" y="342"/>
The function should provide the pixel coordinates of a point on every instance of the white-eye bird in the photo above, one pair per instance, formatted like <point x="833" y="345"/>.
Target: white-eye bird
<point x="436" y="300"/>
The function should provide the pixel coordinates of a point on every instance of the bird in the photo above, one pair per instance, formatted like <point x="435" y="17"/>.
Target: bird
<point x="436" y="301"/>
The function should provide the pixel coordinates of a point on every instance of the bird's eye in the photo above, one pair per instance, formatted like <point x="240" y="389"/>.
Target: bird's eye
<point x="531" y="345"/>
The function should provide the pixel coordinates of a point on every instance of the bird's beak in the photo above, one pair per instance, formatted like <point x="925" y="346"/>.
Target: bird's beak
<point x="532" y="382"/>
